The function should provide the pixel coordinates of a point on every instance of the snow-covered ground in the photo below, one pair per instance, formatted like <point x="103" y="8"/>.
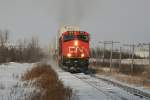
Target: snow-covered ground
<point x="11" y="86"/>
<point x="86" y="87"/>
<point x="112" y="79"/>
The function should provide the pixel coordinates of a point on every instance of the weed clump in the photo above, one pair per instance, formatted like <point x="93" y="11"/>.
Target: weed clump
<point x="46" y="79"/>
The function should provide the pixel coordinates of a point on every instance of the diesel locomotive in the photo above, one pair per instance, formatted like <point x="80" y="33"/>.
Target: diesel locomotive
<point x="74" y="50"/>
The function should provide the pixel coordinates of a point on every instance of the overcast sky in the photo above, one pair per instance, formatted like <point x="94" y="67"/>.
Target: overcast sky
<point x="119" y="20"/>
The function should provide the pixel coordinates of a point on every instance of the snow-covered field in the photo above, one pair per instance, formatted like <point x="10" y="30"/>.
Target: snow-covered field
<point x="84" y="87"/>
<point x="11" y="86"/>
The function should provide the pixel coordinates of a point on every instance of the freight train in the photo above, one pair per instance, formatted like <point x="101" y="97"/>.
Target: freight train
<point x="74" y="51"/>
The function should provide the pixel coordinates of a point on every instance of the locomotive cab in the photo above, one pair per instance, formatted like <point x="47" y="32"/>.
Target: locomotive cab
<point x="74" y="49"/>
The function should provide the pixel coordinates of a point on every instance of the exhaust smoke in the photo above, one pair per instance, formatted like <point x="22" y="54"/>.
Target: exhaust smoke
<point x="71" y="12"/>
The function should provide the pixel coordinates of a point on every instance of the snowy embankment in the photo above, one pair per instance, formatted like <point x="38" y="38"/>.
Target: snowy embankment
<point x="11" y="86"/>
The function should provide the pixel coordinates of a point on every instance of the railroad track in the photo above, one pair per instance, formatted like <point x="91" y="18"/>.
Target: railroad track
<point x="131" y="90"/>
<point x="128" y="89"/>
<point x="95" y="84"/>
<point x="93" y="81"/>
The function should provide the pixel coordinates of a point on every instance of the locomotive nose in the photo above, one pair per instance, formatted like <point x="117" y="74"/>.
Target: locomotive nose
<point x="76" y="50"/>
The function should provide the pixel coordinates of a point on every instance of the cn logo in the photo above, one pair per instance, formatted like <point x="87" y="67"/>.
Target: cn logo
<point x="75" y="50"/>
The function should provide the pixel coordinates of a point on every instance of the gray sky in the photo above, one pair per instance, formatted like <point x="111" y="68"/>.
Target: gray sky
<point x="120" y="20"/>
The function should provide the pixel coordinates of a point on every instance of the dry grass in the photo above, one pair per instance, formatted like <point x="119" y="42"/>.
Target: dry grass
<point x="142" y="79"/>
<point x="47" y="81"/>
<point x="139" y="76"/>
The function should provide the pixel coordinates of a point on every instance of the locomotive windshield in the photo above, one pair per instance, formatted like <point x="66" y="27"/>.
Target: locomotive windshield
<point x="82" y="37"/>
<point x="71" y="36"/>
<point x="68" y="37"/>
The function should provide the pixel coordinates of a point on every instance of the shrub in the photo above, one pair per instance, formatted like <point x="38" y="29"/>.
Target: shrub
<point x="47" y="81"/>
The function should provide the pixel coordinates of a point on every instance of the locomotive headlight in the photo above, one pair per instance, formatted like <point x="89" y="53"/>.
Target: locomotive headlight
<point x="76" y="43"/>
<point x="82" y="55"/>
<point x="68" y="55"/>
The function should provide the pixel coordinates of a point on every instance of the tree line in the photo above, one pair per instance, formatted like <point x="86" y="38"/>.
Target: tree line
<point x="98" y="53"/>
<point x="22" y="51"/>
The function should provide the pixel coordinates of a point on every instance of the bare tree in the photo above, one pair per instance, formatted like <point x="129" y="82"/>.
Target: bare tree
<point x="23" y="51"/>
<point x="3" y="48"/>
<point x="1" y="38"/>
<point x="6" y="36"/>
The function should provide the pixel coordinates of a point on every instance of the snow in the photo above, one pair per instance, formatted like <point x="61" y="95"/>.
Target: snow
<point x="83" y="88"/>
<point x="114" y="92"/>
<point x="147" y="90"/>
<point x="11" y="86"/>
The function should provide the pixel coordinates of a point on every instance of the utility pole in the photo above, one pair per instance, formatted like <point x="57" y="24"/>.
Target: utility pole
<point x="149" y="50"/>
<point x="111" y="53"/>
<point x="112" y="44"/>
<point x="103" y="50"/>
<point x="132" y="46"/>
<point x="120" y="58"/>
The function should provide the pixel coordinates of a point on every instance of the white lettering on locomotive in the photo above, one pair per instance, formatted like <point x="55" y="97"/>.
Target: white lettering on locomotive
<point x="75" y="49"/>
